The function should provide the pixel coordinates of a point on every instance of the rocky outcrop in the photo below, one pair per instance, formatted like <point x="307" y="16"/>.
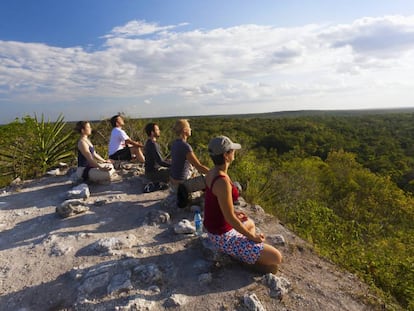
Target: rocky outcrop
<point x="130" y="250"/>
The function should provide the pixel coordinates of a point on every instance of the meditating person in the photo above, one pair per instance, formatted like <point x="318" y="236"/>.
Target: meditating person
<point x="156" y="167"/>
<point x="121" y="146"/>
<point x="230" y="231"/>
<point x="182" y="155"/>
<point x="91" y="166"/>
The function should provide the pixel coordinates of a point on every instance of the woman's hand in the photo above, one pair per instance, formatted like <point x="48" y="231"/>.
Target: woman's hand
<point x="258" y="238"/>
<point x="105" y="167"/>
<point x="241" y="216"/>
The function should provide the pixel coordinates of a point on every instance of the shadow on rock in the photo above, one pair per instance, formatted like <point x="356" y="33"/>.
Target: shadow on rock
<point x="54" y="295"/>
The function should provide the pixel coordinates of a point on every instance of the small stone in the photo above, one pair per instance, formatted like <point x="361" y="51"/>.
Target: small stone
<point x="253" y="303"/>
<point x="70" y="208"/>
<point x="184" y="227"/>
<point x="176" y="300"/>
<point x="278" y="286"/>
<point x="79" y="192"/>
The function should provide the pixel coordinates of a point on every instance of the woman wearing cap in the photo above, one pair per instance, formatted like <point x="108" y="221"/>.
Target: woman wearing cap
<point x="182" y="155"/>
<point x="232" y="232"/>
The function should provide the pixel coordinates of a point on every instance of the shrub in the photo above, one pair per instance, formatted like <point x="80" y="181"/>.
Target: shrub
<point x="35" y="147"/>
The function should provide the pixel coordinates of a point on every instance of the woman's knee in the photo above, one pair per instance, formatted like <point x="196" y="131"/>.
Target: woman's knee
<point x="270" y="256"/>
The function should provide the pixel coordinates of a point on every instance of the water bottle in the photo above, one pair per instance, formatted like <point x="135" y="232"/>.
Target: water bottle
<point x="198" y="223"/>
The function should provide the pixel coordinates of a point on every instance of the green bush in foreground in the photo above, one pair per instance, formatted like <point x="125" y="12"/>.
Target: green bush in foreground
<point x="34" y="146"/>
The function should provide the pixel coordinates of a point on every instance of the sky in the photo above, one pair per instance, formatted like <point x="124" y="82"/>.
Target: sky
<point x="90" y="59"/>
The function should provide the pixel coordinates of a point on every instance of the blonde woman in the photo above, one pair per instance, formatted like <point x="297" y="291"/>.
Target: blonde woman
<point x="91" y="166"/>
<point x="182" y="154"/>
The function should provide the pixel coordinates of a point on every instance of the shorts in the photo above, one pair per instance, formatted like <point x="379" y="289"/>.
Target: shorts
<point x="237" y="245"/>
<point x="122" y="154"/>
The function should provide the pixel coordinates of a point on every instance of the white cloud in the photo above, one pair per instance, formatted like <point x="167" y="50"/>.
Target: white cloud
<point x="251" y="67"/>
<point x="137" y="28"/>
<point x="387" y="36"/>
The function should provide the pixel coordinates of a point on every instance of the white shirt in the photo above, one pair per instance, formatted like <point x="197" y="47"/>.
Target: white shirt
<point x="117" y="140"/>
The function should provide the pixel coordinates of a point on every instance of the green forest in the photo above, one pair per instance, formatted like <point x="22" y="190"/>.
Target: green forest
<point x="344" y="182"/>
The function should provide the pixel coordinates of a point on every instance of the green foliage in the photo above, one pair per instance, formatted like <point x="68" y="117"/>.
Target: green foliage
<point x="35" y="147"/>
<point x="360" y="220"/>
<point x="254" y="178"/>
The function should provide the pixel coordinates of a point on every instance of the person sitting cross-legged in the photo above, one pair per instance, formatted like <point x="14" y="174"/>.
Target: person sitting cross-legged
<point x="185" y="182"/>
<point x="183" y="157"/>
<point x="91" y="166"/>
<point x="156" y="167"/>
<point x="232" y="232"/>
<point x="121" y="146"/>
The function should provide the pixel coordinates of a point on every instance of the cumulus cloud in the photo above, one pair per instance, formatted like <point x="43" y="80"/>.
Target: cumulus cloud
<point x="387" y="36"/>
<point x="253" y="67"/>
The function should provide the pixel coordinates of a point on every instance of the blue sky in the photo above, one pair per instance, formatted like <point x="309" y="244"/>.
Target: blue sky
<point x="89" y="59"/>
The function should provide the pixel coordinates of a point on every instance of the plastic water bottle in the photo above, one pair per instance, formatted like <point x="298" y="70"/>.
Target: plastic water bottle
<point x="198" y="223"/>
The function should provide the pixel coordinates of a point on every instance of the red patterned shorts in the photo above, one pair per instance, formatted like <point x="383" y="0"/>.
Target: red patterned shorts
<point x="237" y="245"/>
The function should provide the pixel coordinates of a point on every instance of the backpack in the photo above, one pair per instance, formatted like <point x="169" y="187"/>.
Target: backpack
<point x="185" y="189"/>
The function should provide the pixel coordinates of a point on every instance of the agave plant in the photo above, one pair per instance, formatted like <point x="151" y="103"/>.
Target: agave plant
<point x="43" y="146"/>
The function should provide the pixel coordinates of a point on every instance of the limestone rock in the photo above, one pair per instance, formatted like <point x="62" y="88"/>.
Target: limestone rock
<point x="158" y="217"/>
<point x="184" y="227"/>
<point x="278" y="286"/>
<point x="70" y="208"/>
<point x="93" y="283"/>
<point x="175" y="300"/>
<point x="277" y="239"/>
<point x="253" y="303"/>
<point x="120" y="283"/>
<point x="258" y="209"/>
<point x="148" y="273"/>
<point x="107" y="245"/>
<point x="137" y="303"/>
<point x="79" y="192"/>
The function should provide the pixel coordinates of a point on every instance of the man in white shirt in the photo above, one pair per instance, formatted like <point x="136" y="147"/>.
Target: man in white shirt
<point x="121" y="147"/>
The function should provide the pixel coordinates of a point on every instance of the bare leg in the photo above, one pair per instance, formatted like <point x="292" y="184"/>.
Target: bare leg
<point x="269" y="259"/>
<point x="137" y="153"/>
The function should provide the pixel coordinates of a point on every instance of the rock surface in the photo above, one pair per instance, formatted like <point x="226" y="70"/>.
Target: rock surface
<point x="129" y="250"/>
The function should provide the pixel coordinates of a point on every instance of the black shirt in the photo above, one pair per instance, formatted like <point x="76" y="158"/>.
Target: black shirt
<point x="153" y="159"/>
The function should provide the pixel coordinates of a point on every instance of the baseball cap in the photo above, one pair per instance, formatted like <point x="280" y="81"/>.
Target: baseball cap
<point x="221" y="144"/>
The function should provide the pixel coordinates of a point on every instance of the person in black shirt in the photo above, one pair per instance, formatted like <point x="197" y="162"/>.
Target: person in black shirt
<point x="156" y="167"/>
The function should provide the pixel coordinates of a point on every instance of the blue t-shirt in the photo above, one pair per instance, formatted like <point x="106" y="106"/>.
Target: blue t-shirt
<point x="180" y="167"/>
